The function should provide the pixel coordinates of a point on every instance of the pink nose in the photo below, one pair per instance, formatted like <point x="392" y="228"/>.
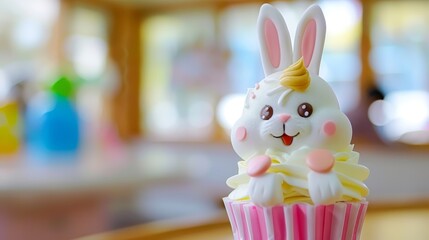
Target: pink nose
<point x="284" y="117"/>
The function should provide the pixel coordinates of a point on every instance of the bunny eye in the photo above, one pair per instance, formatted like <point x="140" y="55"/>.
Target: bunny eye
<point x="266" y="112"/>
<point x="305" y="110"/>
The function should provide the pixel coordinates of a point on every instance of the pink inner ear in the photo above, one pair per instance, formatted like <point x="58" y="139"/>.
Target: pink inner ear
<point x="308" y="42"/>
<point x="272" y="42"/>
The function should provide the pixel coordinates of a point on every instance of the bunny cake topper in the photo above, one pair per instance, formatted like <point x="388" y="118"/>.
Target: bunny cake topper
<point x="292" y="136"/>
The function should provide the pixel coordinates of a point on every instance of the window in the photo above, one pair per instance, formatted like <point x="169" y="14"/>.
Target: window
<point x="399" y="37"/>
<point x="183" y="75"/>
<point x="86" y="42"/>
<point x="25" y="28"/>
<point x="86" y="48"/>
<point x="197" y="65"/>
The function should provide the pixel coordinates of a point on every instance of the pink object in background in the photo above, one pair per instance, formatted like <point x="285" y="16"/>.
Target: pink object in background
<point x="111" y="142"/>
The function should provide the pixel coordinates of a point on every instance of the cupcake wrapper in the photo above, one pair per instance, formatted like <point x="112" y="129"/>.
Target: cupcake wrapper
<point x="301" y="221"/>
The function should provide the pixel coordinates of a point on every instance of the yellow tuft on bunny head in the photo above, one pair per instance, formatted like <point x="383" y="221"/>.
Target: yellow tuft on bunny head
<point x="296" y="77"/>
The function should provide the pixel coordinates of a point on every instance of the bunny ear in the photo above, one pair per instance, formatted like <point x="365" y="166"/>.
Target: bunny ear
<point x="310" y="38"/>
<point x="274" y="40"/>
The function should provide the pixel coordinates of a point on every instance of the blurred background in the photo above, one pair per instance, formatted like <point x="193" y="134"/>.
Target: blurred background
<point x="115" y="113"/>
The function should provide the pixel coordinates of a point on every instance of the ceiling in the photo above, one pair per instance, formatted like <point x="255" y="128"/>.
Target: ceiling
<point x="171" y="3"/>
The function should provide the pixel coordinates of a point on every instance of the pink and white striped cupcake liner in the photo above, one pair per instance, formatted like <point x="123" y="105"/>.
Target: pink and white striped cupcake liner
<point x="301" y="221"/>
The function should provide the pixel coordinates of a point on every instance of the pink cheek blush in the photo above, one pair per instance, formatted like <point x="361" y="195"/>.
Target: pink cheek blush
<point x="241" y="134"/>
<point x="329" y="128"/>
<point x="258" y="165"/>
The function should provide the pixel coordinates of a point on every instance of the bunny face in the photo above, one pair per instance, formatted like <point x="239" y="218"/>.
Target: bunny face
<point x="281" y="117"/>
<point x="287" y="123"/>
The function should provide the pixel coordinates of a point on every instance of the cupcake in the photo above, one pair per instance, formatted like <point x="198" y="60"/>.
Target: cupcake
<point x="299" y="177"/>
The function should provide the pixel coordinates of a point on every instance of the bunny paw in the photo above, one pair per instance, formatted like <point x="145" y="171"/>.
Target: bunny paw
<point x="266" y="190"/>
<point x="320" y="160"/>
<point x="324" y="188"/>
<point x="258" y="165"/>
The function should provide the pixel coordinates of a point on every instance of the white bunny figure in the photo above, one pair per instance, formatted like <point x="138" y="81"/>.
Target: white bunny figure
<point x="291" y="108"/>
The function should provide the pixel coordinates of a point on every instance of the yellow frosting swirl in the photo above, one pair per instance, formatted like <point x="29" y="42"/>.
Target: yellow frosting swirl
<point x="296" y="77"/>
<point x="294" y="171"/>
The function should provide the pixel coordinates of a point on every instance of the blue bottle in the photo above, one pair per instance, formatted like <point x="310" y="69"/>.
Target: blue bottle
<point x="53" y="126"/>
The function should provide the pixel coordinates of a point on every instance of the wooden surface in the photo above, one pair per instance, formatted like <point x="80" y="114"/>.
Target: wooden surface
<point x="393" y="224"/>
<point x="215" y="227"/>
<point x="53" y="220"/>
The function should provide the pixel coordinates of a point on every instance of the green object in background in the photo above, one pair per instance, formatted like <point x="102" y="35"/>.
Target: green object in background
<point x="63" y="87"/>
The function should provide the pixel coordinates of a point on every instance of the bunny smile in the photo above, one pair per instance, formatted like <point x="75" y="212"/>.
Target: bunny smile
<point x="286" y="139"/>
